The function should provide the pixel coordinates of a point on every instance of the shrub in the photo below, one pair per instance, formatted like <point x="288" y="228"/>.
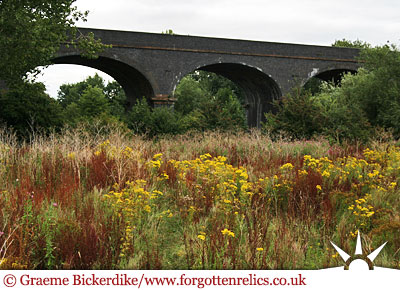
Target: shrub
<point x="298" y="114"/>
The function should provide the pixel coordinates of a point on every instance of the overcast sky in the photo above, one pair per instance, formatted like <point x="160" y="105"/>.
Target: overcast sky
<point x="318" y="22"/>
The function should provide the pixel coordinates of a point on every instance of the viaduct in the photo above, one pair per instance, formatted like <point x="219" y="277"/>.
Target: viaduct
<point x="152" y="65"/>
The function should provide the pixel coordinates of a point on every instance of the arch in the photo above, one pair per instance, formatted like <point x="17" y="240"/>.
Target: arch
<point x="259" y="88"/>
<point x="334" y="75"/>
<point x="133" y="82"/>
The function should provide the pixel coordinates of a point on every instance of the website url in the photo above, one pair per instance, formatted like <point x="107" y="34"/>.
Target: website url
<point x="143" y="281"/>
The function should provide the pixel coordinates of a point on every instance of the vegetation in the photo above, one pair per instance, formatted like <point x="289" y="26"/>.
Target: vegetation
<point x="92" y="188"/>
<point x="205" y="201"/>
<point x="363" y="103"/>
<point x="39" y="28"/>
<point x="206" y="101"/>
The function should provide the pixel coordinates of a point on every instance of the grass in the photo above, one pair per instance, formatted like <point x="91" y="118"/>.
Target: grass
<point x="198" y="201"/>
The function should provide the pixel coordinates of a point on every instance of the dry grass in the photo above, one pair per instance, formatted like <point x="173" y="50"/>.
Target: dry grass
<point x="211" y="201"/>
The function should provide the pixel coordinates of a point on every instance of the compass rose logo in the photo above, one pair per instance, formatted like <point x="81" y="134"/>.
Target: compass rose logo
<point x="359" y="259"/>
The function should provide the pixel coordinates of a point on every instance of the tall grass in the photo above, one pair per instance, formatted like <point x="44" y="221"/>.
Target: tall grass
<point x="109" y="200"/>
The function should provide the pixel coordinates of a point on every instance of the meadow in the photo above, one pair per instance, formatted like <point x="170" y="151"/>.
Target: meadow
<point x="196" y="201"/>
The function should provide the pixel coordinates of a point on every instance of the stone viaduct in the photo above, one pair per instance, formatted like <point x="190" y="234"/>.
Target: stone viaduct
<point x="152" y="65"/>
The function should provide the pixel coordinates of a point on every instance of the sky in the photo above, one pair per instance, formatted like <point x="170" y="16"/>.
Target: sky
<point x="315" y="22"/>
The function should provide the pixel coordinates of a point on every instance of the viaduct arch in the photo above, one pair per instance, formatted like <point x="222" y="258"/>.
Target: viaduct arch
<point x="152" y="65"/>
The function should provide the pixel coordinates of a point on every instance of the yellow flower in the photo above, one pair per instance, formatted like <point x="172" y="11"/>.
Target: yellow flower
<point x="157" y="156"/>
<point x="303" y="172"/>
<point x="201" y="237"/>
<point x="326" y="174"/>
<point x="318" y="187"/>
<point x="260" y="249"/>
<point x="287" y="166"/>
<point x="71" y="155"/>
<point x="228" y="232"/>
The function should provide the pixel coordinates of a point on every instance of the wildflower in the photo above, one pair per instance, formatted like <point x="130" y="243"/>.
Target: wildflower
<point x="201" y="237"/>
<point x="228" y="232"/>
<point x="287" y="166"/>
<point x="164" y="176"/>
<point x="55" y="204"/>
<point x="318" y="187"/>
<point x="325" y="174"/>
<point x="71" y="155"/>
<point x="157" y="156"/>
<point x="303" y="172"/>
<point x="260" y="249"/>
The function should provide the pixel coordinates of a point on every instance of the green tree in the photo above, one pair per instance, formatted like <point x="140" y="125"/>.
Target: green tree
<point x="209" y="101"/>
<point x="376" y="87"/>
<point x="71" y="93"/>
<point x="298" y="115"/>
<point x="32" y="31"/>
<point x="116" y="98"/>
<point x="91" y="104"/>
<point x="30" y="108"/>
<point x="351" y="44"/>
<point x="190" y="96"/>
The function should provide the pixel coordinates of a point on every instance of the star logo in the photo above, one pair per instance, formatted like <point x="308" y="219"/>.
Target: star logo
<point x="359" y="259"/>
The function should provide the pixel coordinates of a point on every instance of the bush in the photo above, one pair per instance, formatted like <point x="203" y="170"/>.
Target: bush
<point x="28" y="108"/>
<point x="298" y="115"/>
<point x="345" y="119"/>
<point x="162" y="120"/>
<point x="331" y="113"/>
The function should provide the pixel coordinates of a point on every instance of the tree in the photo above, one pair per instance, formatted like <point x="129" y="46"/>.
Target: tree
<point x="210" y="101"/>
<point x="30" y="108"/>
<point x="113" y="92"/>
<point x="71" y="93"/>
<point x="32" y="31"/>
<point x="351" y="44"/>
<point x="298" y="114"/>
<point x="376" y="87"/>
<point x="92" y="104"/>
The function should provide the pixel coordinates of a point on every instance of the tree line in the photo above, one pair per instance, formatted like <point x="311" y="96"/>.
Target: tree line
<point x="206" y="101"/>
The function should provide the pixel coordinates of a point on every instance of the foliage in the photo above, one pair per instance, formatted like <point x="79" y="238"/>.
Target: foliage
<point x="372" y="95"/>
<point x="351" y="44"/>
<point x="330" y="113"/>
<point x="362" y="103"/>
<point x="214" y="97"/>
<point x="345" y="119"/>
<point x="113" y="92"/>
<point x="168" y="31"/>
<point x="38" y="28"/>
<point x="140" y="117"/>
<point x="29" y="108"/>
<point x="377" y="88"/>
<point x="298" y="114"/>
